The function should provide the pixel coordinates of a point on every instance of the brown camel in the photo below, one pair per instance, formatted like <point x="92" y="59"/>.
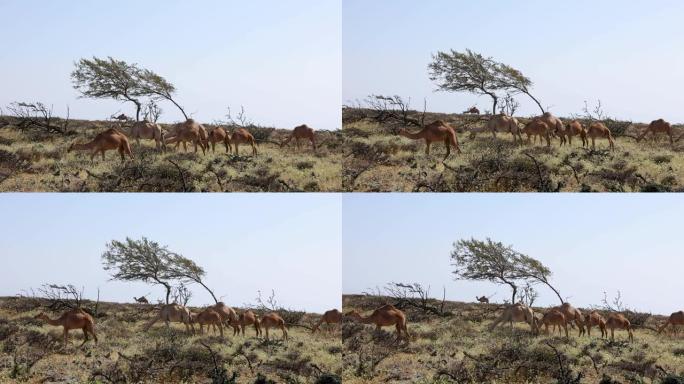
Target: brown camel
<point x="273" y="320"/>
<point x="332" y="316"/>
<point x="173" y="313"/>
<point x="188" y="131"/>
<point x="141" y="300"/>
<point x="219" y="135"/>
<point x="73" y="319"/>
<point x="301" y="132"/>
<point x="210" y="318"/>
<point x="537" y="127"/>
<point x="483" y="299"/>
<point x="516" y="313"/>
<point x="473" y="110"/>
<point x="505" y="123"/>
<point x="385" y="316"/>
<point x="575" y="128"/>
<point x="555" y="124"/>
<point x="556" y="318"/>
<point x="595" y="319"/>
<point x="656" y="127"/>
<point x="228" y="315"/>
<point x="148" y="130"/>
<point x="435" y="131"/>
<point x="572" y="314"/>
<point x="619" y="321"/>
<point x="675" y="319"/>
<point x="600" y="130"/>
<point x="242" y="136"/>
<point x="105" y="141"/>
<point x="248" y="318"/>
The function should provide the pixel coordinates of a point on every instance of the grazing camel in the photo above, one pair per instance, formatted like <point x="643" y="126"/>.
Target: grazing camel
<point x="273" y="320"/>
<point x="505" y="123"/>
<point x="141" y="300"/>
<point x="210" y="318"/>
<point x="575" y="128"/>
<point x="148" y="130"/>
<point x="248" y="318"/>
<point x="301" y="132"/>
<point x="228" y="315"/>
<point x="332" y="316"/>
<point x="73" y="319"/>
<point x="435" y="131"/>
<point x="556" y="318"/>
<point x="385" y="316"/>
<point x="572" y="314"/>
<point x="473" y="110"/>
<point x="658" y="126"/>
<point x="219" y="135"/>
<point x="537" y="127"/>
<point x="600" y="130"/>
<point x="675" y="319"/>
<point x="619" y="321"/>
<point x="555" y="124"/>
<point x="188" y="131"/>
<point x="242" y="136"/>
<point x="483" y="299"/>
<point x="516" y="313"/>
<point x="105" y="141"/>
<point x="595" y="319"/>
<point x="173" y="313"/>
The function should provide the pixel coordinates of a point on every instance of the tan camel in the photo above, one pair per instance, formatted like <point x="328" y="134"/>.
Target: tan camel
<point x="572" y="314"/>
<point x="472" y="110"/>
<point x="675" y="319"/>
<point x="248" y="318"/>
<point x="385" y="316"/>
<point x="301" y="132"/>
<point x="483" y="299"/>
<point x="435" y="131"/>
<point x="619" y="321"/>
<point x="600" y="130"/>
<point x="656" y="127"/>
<point x="594" y="318"/>
<point x="141" y="300"/>
<point x="242" y="136"/>
<point x="575" y="128"/>
<point x="210" y="318"/>
<point x="188" y="131"/>
<point x="148" y="130"/>
<point x="555" y="124"/>
<point x="273" y="320"/>
<point x="219" y="135"/>
<point x="173" y="313"/>
<point x="105" y="141"/>
<point x="516" y="313"/>
<point x="505" y="123"/>
<point x="332" y="316"/>
<point x="228" y="315"/>
<point x="537" y="127"/>
<point x="555" y="318"/>
<point x="73" y="319"/>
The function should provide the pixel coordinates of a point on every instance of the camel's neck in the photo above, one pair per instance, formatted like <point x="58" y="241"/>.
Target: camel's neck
<point x="83" y="147"/>
<point x="414" y="136"/>
<point x="51" y="321"/>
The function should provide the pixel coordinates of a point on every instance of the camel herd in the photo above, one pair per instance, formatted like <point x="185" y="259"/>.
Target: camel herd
<point x="215" y="317"/>
<point x="187" y="132"/>
<point x="544" y="127"/>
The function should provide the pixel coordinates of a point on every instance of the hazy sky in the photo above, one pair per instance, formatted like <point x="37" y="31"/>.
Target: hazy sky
<point x="281" y="60"/>
<point x="591" y="242"/>
<point x="246" y="242"/>
<point x="626" y="53"/>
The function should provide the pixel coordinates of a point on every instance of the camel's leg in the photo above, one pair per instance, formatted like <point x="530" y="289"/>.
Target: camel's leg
<point x="297" y="143"/>
<point x="447" y="143"/>
<point x="427" y="147"/>
<point x="221" y="329"/>
<point x="593" y="143"/>
<point x="66" y="333"/>
<point x="225" y="142"/>
<point x="213" y="147"/>
<point x="548" y="140"/>
<point x="266" y="333"/>
<point x="284" y="333"/>
<point x="254" y="150"/>
<point x="85" y="337"/>
<point x="612" y="334"/>
<point x="237" y="151"/>
<point x="185" y="146"/>
<point x="313" y="143"/>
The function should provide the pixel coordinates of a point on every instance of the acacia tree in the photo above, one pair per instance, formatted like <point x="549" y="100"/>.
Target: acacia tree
<point x="500" y="264"/>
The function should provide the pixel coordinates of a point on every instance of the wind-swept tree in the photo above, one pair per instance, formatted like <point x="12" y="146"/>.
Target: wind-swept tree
<point x="156" y="86"/>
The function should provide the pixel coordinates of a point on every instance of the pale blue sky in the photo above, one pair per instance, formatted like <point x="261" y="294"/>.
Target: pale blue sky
<point x="245" y="242"/>
<point x="629" y="54"/>
<point x="281" y="60"/>
<point x="591" y="242"/>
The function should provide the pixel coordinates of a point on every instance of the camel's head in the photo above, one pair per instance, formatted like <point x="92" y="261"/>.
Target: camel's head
<point x="353" y="314"/>
<point x="40" y="316"/>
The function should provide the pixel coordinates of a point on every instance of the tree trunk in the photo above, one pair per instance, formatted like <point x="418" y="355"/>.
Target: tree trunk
<point x="168" y="292"/>
<point x="179" y="107"/>
<point x="535" y="100"/>
<point x="495" y="101"/>
<point x="208" y="290"/>
<point x="556" y="292"/>
<point x="137" y="111"/>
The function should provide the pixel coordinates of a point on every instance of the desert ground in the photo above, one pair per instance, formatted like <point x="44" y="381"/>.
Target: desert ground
<point x="37" y="160"/>
<point x="376" y="158"/>
<point x="457" y="347"/>
<point x="31" y="351"/>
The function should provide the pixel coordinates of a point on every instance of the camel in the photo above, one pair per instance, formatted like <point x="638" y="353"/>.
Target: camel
<point x="574" y="128"/>
<point x="228" y="315"/>
<point x="435" y="131"/>
<point x="516" y="313"/>
<point x="148" y="130"/>
<point x="73" y="319"/>
<point x="675" y="319"/>
<point x="273" y="320"/>
<point x="209" y="317"/>
<point x="537" y="127"/>
<point x="556" y="318"/>
<point x="595" y="319"/>
<point x="473" y="110"/>
<point x="189" y="131"/>
<point x="173" y="313"/>
<point x="219" y="135"/>
<point x="121" y="117"/>
<point x="248" y="318"/>
<point x="301" y="132"/>
<point x="572" y="314"/>
<point x="600" y="130"/>
<point x="505" y="123"/>
<point x="105" y="141"/>
<point x="483" y="299"/>
<point x="242" y="136"/>
<point x="619" y="321"/>
<point x="387" y="315"/>
<point x="555" y="124"/>
<point x="657" y="126"/>
<point x="332" y="316"/>
<point x="141" y="300"/>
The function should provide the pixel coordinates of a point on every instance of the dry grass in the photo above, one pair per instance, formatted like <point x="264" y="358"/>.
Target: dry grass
<point x="31" y="351"/>
<point x="460" y="349"/>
